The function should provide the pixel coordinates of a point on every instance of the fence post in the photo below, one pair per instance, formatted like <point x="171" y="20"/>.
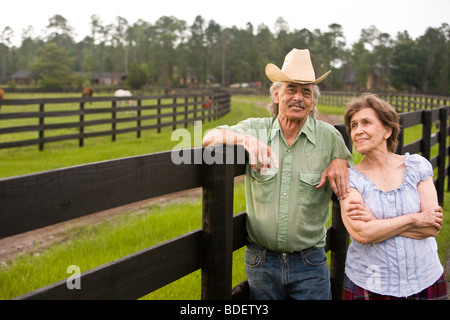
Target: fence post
<point x="401" y="138"/>
<point x="215" y="105"/>
<point x="41" y="126"/>
<point x="159" y="115"/>
<point x="195" y="108"/>
<point x="426" y="134"/>
<point x="443" y="114"/>
<point x="139" y="113"/>
<point x="113" y="119"/>
<point x="339" y="236"/>
<point x="217" y="235"/>
<point x="174" y="126"/>
<point x="81" y="139"/>
<point x="339" y="245"/>
<point x="210" y="111"/>
<point x="186" y="99"/>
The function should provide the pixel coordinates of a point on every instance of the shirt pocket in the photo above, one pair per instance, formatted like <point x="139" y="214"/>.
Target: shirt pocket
<point x="263" y="185"/>
<point x="308" y="194"/>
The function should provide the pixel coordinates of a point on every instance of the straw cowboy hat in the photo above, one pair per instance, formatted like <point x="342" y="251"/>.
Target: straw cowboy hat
<point x="297" y="67"/>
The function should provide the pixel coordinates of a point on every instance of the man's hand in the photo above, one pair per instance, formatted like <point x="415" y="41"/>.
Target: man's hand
<point x="261" y="155"/>
<point x="338" y="176"/>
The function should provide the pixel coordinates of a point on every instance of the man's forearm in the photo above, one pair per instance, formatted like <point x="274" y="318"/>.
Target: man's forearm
<point x="223" y="136"/>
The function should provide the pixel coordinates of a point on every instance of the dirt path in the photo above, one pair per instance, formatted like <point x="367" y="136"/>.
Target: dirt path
<point x="41" y="238"/>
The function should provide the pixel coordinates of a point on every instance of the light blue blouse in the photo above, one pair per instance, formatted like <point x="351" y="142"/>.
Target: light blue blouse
<point x="398" y="266"/>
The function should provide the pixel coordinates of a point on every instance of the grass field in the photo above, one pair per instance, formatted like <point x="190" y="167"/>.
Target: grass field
<point x="93" y="245"/>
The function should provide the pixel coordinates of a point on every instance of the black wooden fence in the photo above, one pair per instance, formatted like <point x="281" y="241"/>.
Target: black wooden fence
<point x="42" y="199"/>
<point x="61" y="195"/>
<point x="403" y="102"/>
<point x="435" y="131"/>
<point x="25" y="122"/>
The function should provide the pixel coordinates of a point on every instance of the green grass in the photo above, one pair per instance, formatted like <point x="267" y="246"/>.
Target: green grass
<point x="94" y="245"/>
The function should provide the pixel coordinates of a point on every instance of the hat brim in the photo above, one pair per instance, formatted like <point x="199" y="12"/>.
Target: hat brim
<point x="275" y="74"/>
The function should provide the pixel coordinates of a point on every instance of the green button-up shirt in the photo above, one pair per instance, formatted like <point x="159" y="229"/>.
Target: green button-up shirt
<point x="285" y="210"/>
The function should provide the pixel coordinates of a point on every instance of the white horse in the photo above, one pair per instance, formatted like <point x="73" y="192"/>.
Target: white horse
<point x="124" y="93"/>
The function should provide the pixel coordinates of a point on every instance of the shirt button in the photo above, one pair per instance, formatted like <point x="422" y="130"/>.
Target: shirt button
<point x="285" y="194"/>
<point x="288" y="150"/>
<point x="286" y="172"/>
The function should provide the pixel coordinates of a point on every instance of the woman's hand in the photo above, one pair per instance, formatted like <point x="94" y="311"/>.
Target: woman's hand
<point x="431" y="217"/>
<point x="357" y="210"/>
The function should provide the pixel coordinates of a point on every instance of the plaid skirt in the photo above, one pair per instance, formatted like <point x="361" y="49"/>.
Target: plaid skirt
<point x="437" y="291"/>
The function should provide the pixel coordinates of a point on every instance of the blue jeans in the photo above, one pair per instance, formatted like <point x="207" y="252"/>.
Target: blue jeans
<point x="300" y="275"/>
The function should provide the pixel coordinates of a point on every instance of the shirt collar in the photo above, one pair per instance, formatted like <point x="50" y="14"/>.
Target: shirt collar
<point x="276" y="127"/>
<point x="307" y="129"/>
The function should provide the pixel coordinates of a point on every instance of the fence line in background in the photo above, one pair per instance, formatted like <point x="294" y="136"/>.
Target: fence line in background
<point x="41" y="121"/>
<point x="403" y="102"/>
<point x="81" y="118"/>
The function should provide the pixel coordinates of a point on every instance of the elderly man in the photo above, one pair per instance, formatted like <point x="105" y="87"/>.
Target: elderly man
<point x="295" y="162"/>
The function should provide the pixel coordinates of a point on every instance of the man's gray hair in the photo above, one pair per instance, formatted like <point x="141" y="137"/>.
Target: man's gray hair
<point x="273" y="107"/>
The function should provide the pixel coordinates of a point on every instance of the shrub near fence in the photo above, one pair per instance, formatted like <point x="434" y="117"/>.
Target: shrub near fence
<point x="42" y="121"/>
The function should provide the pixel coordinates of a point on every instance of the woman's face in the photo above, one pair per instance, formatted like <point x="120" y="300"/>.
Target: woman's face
<point x="367" y="131"/>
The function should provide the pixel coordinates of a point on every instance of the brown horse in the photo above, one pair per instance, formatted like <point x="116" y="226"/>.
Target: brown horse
<point x="2" y="94"/>
<point x="88" y="92"/>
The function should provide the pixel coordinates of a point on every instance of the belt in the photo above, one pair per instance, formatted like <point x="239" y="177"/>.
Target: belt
<point x="267" y="251"/>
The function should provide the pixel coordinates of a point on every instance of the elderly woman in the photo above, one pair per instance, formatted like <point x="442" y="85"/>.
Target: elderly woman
<point x="391" y="212"/>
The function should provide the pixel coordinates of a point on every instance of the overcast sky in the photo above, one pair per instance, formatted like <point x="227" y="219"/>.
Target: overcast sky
<point x="390" y="16"/>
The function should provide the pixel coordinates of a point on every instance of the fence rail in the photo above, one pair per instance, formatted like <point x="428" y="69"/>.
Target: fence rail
<point x="68" y="193"/>
<point x="404" y="102"/>
<point x="25" y="122"/>
<point x="401" y="101"/>
<point x="49" y="120"/>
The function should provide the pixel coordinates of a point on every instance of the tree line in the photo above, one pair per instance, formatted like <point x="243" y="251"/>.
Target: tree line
<point x="172" y="53"/>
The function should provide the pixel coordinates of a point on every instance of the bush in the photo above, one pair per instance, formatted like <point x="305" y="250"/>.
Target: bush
<point x="137" y="77"/>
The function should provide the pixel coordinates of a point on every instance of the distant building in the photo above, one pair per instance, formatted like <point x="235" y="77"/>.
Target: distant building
<point x="21" y="77"/>
<point x="108" y="78"/>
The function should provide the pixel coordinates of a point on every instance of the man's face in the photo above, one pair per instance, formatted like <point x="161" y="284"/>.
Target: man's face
<point x="295" y="101"/>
